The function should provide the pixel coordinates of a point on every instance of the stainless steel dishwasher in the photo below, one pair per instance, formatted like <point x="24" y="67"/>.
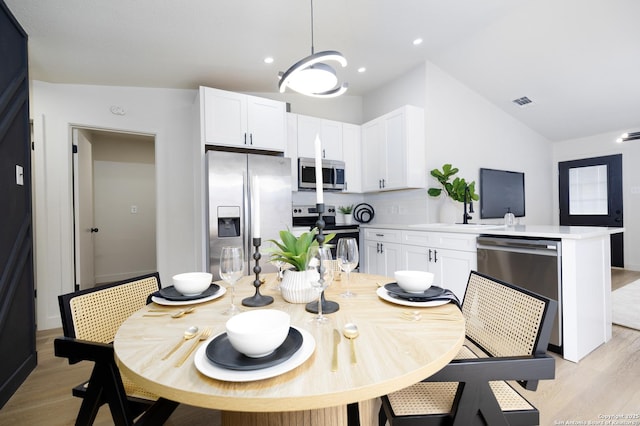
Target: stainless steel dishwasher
<point x="533" y="264"/>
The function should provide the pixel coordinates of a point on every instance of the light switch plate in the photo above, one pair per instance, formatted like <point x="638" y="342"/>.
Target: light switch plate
<point x="19" y="175"/>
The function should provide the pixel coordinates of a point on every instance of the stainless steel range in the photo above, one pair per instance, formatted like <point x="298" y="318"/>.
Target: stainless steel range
<point x="304" y="218"/>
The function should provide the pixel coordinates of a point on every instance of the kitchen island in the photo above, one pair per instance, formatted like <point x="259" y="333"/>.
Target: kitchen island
<point x="450" y="252"/>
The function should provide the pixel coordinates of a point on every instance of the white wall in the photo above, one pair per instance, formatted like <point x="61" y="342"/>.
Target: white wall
<point x="125" y="206"/>
<point x="345" y="108"/>
<point x="464" y="129"/>
<point x="600" y="145"/>
<point x="164" y="113"/>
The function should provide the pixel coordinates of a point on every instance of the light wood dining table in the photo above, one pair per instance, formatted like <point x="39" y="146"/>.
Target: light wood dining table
<point x="393" y="351"/>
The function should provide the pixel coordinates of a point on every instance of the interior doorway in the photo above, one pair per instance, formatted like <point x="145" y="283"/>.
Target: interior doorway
<point x="114" y="205"/>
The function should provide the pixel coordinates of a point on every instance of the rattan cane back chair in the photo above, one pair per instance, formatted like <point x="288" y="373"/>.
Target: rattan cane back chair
<point x="507" y="330"/>
<point x="90" y="320"/>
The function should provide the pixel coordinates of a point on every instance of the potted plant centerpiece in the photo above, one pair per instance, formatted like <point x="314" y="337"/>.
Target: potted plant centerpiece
<point x="451" y="210"/>
<point x="347" y="214"/>
<point x="292" y="250"/>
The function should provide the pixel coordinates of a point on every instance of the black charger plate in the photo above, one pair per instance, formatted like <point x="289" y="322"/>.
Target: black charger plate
<point x="170" y="293"/>
<point x="220" y="352"/>
<point x="395" y="290"/>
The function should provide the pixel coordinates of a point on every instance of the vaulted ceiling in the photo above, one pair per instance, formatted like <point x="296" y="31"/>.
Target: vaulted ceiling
<point x="577" y="60"/>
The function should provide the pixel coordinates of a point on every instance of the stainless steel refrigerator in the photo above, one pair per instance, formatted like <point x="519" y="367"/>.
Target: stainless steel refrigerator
<point x="230" y="193"/>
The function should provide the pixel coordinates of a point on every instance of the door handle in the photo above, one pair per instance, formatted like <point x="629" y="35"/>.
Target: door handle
<point x="93" y="230"/>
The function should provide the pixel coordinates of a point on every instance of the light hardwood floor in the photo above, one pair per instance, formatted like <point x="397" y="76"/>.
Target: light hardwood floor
<point x="604" y="383"/>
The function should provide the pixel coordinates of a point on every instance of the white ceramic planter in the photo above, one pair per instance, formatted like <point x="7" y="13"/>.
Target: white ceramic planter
<point x="451" y="211"/>
<point x="295" y="287"/>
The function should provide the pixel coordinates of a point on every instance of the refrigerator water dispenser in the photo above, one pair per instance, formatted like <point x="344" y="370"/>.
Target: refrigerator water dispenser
<point x="228" y="221"/>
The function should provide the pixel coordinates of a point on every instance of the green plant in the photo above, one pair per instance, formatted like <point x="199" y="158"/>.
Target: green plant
<point x="293" y="250"/>
<point x="346" y="209"/>
<point x="454" y="189"/>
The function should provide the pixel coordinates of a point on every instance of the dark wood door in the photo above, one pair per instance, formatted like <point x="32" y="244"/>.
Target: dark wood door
<point x="591" y="195"/>
<point x="17" y="305"/>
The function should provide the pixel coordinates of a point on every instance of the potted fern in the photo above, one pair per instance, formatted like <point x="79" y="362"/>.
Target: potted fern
<point x="293" y="250"/>
<point x="454" y="189"/>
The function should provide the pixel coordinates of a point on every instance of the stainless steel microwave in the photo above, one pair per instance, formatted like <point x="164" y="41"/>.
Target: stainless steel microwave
<point x="332" y="174"/>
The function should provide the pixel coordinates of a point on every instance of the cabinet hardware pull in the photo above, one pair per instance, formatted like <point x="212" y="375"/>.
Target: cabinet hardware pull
<point x="429" y="255"/>
<point x="379" y="235"/>
<point x="381" y="248"/>
<point x="245" y="138"/>
<point x="250" y="138"/>
<point x="324" y="155"/>
<point x="435" y="256"/>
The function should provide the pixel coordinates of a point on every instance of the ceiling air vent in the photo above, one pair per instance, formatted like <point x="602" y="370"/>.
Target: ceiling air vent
<point x="523" y="101"/>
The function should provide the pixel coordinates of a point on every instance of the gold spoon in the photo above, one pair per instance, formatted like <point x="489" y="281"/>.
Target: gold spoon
<point x="178" y="314"/>
<point x="350" y="331"/>
<point x="189" y="334"/>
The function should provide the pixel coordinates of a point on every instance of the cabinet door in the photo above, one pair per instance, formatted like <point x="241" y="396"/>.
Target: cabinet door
<point x="308" y="128"/>
<point x="372" y="140"/>
<point x="352" y="156"/>
<point x="224" y="117"/>
<point x="266" y="126"/>
<point x="330" y="133"/>
<point x="452" y="269"/>
<point x="392" y="258"/>
<point x="416" y="258"/>
<point x="331" y="137"/>
<point x="395" y="165"/>
<point x="372" y="264"/>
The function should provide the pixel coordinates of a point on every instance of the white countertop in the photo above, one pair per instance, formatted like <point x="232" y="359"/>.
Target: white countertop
<point x="540" y="231"/>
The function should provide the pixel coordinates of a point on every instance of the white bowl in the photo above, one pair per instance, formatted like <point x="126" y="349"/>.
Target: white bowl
<point x="258" y="333"/>
<point x="192" y="283"/>
<point x="414" y="281"/>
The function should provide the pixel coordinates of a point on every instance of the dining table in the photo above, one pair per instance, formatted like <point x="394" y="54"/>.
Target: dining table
<point x="398" y="344"/>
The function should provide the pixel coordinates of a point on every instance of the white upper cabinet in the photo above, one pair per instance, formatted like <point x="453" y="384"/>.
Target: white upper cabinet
<point x="329" y="131"/>
<point x="235" y="119"/>
<point x="352" y="156"/>
<point x="393" y="151"/>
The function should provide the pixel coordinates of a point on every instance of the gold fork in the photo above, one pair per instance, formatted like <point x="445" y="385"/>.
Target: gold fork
<point x="206" y="333"/>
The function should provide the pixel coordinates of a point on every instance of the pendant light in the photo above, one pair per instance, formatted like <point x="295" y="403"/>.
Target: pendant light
<point x="310" y="76"/>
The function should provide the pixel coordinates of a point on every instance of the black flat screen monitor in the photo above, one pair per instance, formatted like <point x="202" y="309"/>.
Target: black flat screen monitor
<point x="501" y="191"/>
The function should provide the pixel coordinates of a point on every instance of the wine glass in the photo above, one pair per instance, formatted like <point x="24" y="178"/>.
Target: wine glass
<point x="347" y="256"/>
<point x="278" y="264"/>
<point x="319" y="274"/>
<point x="231" y="269"/>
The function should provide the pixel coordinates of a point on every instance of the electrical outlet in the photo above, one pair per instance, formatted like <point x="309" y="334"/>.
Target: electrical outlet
<point x="134" y="209"/>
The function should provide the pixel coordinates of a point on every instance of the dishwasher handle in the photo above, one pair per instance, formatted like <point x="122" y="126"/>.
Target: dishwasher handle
<point x="517" y="243"/>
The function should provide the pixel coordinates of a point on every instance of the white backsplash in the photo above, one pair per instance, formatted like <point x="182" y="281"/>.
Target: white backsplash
<point x="400" y="207"/>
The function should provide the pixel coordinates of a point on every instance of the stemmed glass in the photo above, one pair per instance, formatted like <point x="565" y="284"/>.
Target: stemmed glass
<point x="347" y="256"/>
<point x="231" y="269"/>
<point x="319" y="274"/>
<point x="278" y="264"/>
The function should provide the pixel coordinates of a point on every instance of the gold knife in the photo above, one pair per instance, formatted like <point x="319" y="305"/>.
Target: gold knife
<point x="336" y="341"/>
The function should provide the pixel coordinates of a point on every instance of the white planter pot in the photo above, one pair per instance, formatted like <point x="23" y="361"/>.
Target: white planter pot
<point x="348" y="219"/>
<point x="295" y="287"/>
<point x="451" y="211"/>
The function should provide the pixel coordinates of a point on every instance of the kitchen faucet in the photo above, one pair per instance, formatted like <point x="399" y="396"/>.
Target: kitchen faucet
<point x="466" y="216"/>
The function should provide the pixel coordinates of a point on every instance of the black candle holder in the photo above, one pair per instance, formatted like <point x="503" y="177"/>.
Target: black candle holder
<point x="257" y="299"/>
<point x="328" y="306"/>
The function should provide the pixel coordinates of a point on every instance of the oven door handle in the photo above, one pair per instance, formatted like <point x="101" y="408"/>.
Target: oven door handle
<point x="341" y="231"/>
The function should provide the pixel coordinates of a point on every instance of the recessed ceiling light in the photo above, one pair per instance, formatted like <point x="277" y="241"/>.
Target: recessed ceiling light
<point x="362" y="69"/>
<point x="417" y="41"/>
<point x="268" y="60"/>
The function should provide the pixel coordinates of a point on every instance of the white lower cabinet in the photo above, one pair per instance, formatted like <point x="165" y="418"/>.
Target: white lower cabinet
<point x="382" y="254"/>
<point x="450" y="267"/>
<point x="449" y="256"/>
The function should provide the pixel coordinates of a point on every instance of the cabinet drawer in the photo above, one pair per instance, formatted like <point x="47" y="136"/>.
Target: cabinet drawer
<point x="454" y="241"/>
<point x="386" y="235"/>
<point x="443" y="240"/>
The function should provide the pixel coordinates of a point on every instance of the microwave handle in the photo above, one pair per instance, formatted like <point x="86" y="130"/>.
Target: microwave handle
<point x="334" y="180"/>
